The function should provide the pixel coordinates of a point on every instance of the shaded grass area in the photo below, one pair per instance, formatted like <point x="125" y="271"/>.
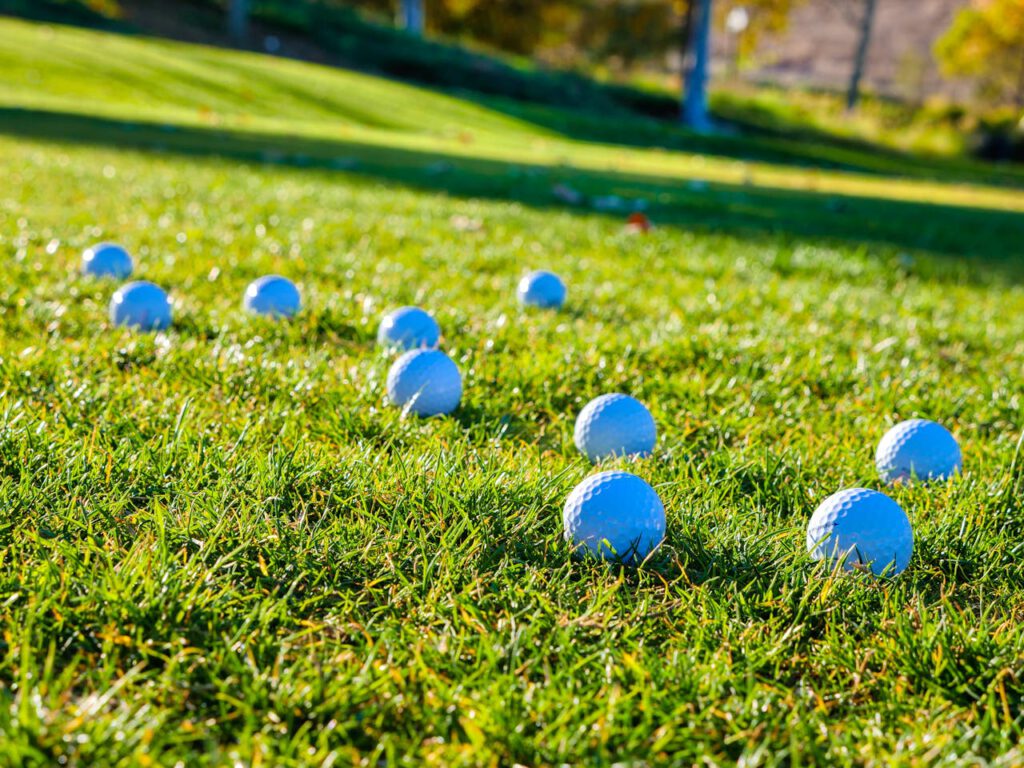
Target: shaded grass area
<point x="748" y="209"/>
<point x="74" y="12"/>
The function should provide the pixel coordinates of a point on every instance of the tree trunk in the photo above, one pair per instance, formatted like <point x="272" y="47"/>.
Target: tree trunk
<point x="866" y="22"/>
<point x="686" y="34"/>
<point x="238" y="20"/>
<point x="411" y="17"/>
<point x="695" y="76"/>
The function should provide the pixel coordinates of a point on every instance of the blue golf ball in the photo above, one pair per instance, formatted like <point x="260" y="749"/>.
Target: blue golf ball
<point x="918" y="449"/>
<point x="425" y="382"/>
<point x="142" y="306"/>
<point x="863" y="530"/>
<point x="542" y="289"/>
<point x="614" y="425"/>
<point x="106" y="260"/>
<point x="408" y="328"/>
<point x="614" y="515"/>
<point x="272" y="296"/>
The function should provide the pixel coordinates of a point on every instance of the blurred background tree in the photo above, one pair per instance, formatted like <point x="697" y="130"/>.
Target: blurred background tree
<point x="622" y="35"/>
<point x="516" y="26"/>
<point x="763" y="17"/>
<point x="986" y="44"/>
<point x="860" y="15"/>
<point x="616" y="35"/>
<point x="865" y="25"/>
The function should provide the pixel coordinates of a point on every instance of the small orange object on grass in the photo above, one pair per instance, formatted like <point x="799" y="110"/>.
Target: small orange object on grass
<point x="638" y="222"/>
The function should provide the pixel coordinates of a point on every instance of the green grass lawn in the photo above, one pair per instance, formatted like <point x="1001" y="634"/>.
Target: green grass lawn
<point x="218" y="546"/>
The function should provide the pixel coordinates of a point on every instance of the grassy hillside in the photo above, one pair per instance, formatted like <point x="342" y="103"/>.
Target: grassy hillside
<point x="336" y="34"/>
<point x="218" y="545"/>
<point x="148" y="81"/>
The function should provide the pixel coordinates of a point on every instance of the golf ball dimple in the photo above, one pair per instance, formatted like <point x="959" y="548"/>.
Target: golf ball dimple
<point x="141" y="305"/>
<point x="408" y="328"/>
<point x="542" y="289"/>
<point x="614" y="515"/>
<point x="864" y="529"/>
<point x="919" y="449"/>
<point x="107" y="260"/>
<point x="425" y="382"/>
<point x="272" y="296"/>
<point x="614" y="425"/>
